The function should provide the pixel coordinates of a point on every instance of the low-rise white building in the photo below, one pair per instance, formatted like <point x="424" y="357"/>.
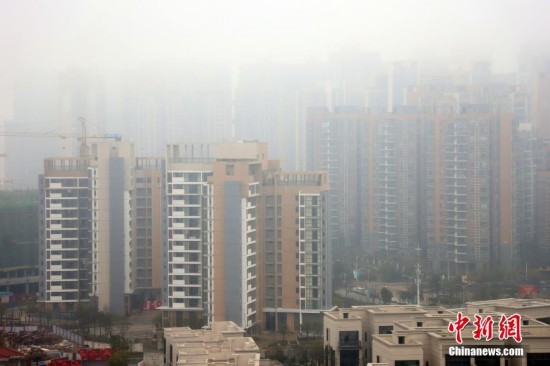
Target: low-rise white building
<point x="419" y="335"/>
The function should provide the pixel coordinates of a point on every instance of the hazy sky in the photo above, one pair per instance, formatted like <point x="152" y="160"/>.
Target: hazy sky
<point x="57" y="34"/>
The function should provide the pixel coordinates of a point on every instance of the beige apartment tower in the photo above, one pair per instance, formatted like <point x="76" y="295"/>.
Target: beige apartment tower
<point x="212" y="195"/>
<point x="146" y="233"/>
<point x="455" y="186"/>
<point x="225" y="204"/>
<point x="295" y="259"/>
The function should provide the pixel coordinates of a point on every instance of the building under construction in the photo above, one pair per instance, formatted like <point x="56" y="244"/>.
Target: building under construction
<point x="18" y="244"/>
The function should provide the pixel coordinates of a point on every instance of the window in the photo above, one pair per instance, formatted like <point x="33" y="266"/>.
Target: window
<point x="230" y="169"/>
<point x="401" y="340"/>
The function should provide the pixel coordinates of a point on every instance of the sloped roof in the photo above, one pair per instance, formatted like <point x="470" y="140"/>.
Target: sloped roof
<point x="9" y="352"/>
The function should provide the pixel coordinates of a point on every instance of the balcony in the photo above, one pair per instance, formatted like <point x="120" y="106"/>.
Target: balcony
<point x="349" y="341"/>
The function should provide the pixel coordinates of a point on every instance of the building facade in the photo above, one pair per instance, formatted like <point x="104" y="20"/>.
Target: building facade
<point x="65" y="234"/>
<point x="295" y="257"/>
<point x="85" y="217"/>
<point x="212" y="231"/>
<point x="457" y="187"/>
<point x="225" y="204"/>
<point x="146" y="232"/>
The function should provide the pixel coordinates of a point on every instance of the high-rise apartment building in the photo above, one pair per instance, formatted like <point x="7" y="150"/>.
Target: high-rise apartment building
<point x="146" y="231"/>
<point x="540" y="93"/>
<point x="211" y="195"/>
<point x="336" y="146"/>
<point x="396" y="184"/>
<point x="111" y="186"/>
<point x="542" y="194"/>
<point x="85" y="217"/>
<point x="221" y="225"/>
<point x="65" y="233"/>
<point x="470" y="190"/>
<point x="294" y="259"/>
<point x="372" y="162"/>
<point x="456" y="185"/>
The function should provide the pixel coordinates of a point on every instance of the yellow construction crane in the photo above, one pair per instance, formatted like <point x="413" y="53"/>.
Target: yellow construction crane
<point x="83" y="137"/>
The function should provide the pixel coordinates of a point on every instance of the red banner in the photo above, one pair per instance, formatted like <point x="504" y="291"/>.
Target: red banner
<point x="150" y="305"/>
<point x="106" y="353"/>
<point x="529" y="291"/>
<point x="65" y="362"/>
<point x="92" y="354"/>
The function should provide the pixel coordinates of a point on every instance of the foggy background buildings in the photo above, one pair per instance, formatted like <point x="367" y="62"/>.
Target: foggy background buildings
<point x="176" y="71"/>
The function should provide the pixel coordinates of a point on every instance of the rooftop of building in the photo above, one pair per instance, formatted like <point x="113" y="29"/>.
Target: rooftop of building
<point x="512" y="303"/>
<point x="355" y="311"/>
<point x="221" y="343"/>
<point x="534" y="312"/>
<point x="244" y="150"/>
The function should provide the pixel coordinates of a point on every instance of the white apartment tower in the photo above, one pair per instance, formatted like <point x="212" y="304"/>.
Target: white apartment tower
<point x="65" y="235"/>
<point x="85" y="224"/>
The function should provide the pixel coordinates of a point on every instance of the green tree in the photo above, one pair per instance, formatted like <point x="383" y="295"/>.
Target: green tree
<point x="157" y="321"/>
<point x="434" y="284"/>
<point x="316" y="351"/>
<point x="283" y="329"/>
<point x="386" y="295"/>
<point x="119" y="358"/>
<point x="121" y="343"/>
